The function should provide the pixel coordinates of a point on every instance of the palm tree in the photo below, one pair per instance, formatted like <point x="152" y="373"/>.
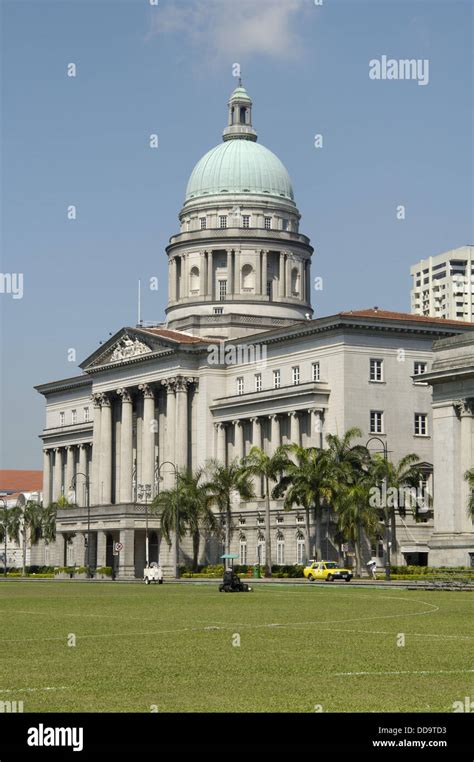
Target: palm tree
<point x="469" y="477"/>
<point x="398" y="476"/>
<point x="195" y="501"/>
<point x="270" y="467"/>
<point x="168" y="504"/>
<point x="6" y="522"/>
<point x="355" y="514"/>
<point x="26" y="521"/>
<point x="224" y="482"/>
<point x="304" y="483"/>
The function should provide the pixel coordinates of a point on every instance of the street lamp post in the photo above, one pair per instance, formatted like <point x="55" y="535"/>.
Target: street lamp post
<point x="388" y="532"/>
<point x="176" y="548"/>
<point x="88" y="506"/>
<point x="144" y="492"/>
<point x="5" y="526"/>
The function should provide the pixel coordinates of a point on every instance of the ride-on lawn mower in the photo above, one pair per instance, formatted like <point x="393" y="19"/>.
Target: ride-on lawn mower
<point x="231" y="582"/>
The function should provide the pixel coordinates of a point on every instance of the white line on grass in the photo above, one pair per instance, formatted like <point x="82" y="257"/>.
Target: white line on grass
<point x="32" y="690"/>
<point x="401" y="672"/>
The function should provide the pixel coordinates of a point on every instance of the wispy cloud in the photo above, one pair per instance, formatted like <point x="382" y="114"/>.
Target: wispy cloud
<point x="226" y="30"/>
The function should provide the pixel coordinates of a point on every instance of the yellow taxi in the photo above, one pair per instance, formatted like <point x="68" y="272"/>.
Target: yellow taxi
<point x="327" y="570"/>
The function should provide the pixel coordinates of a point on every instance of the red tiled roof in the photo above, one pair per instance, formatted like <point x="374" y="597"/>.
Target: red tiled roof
<point x="182" y="338"/>
<point x="21" y="481"/>
<point x="388" y="315"/>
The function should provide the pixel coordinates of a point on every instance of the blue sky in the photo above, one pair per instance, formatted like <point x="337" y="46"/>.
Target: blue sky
<point x="167" y="69"/>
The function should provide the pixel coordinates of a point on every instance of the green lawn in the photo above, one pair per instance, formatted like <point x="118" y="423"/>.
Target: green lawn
<point x="172" y="646"/>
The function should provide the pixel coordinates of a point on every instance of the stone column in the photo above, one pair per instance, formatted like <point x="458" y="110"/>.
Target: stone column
<point x="101" y="548"/>
<point x="126" y="447"/>
<point x="264" y="272"/>
<point x="288" y="276"/>
<point x="127" y="555"/>
<point x="258" y="273"/>
<point x="46" y="477"/>
<point x="68" y="486"/>
<point x="230" y="273"/>
<point x="308" y="280"/>
<point x="221" y="443"/>
<point x="57" y="474"/>
<point x="275" y="433"/>
<point x="465" y="410"/>
<point x="148" y="436"/>
<point x="105" y="469"/>
<point x="256" y="441"/>
<point x="172" y="279"/>
<point x="316" y="427"/>
<point x="181" y="443"/>
<point x="81" y="487"/>
<point x="294" y="428"/>
<point x="238" y="439"/>
<point x="281" y="276"/>
<point x="167" y="473"/>
<point x="210" y="274"/>
<point x="94" y="486"/>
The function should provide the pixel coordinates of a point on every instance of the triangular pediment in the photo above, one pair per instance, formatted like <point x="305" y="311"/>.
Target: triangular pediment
<point x="125" y="346"/>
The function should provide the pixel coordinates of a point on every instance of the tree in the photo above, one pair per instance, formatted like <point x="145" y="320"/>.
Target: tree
<point x="304" y="483"/>
<point x="224" y="483"/>
<point x="6" y="526"/>
<point x="270" y="467"/>
<point x="355" y="515"/>
<point x="167" y="504"/>
<point x="399" y="477"/>
<point x="26" y="521"/>
<point x="469" y="477"/>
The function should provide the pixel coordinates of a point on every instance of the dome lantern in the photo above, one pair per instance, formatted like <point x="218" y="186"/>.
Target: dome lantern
<point x="239" y="125"/>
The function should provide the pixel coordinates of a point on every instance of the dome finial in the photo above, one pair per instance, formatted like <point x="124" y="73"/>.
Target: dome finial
<point x="239" y="125"/>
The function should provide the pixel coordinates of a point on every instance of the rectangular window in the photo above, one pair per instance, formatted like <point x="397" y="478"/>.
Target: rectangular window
<point x="376" y="422"/>
<point x="223" y="221"/>
<point x="240" y="385"/>
<point x="258" y="382"/>
<point x="419" y="368"/>
<point x="284" y="224"/>
<point x="86" y="415"/>
<point x="299" y="551"/>
<point x="421" y="424"/>
<point x="376" y="370"/>
<point x="203" y="221"/>
<point x="218" y="310"/>
<point x="276" y="379"/>
<point x="268" y="223"/>
<point x="315" y="374"/>
<point x="62" y="418"/>
<point x="222" y="290"/>
<point x="295" y="375"/>
<point x="73" y="417"/>
<point x="245" y="221"/>
<point x="243" y="553"/>
<point x="269" y="288"/>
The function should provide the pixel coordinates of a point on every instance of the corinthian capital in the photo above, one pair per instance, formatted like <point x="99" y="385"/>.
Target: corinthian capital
<point x="147" y="391"/>
<point x="464" y="407"/>
<point x="96" y="400"/>
<point x="124" y="394"/>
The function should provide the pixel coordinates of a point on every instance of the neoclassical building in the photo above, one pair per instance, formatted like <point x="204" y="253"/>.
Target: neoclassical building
<point x="239" y="362"/>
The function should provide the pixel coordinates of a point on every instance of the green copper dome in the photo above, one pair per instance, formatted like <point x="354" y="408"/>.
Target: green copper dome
<point x="239" y="166"/>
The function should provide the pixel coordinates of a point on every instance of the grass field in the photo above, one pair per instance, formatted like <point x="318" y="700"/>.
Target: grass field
<point x="173" y="646"/>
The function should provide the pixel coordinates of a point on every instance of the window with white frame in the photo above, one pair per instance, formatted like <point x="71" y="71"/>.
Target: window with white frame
<point x="245" y="220"/>
<point x="280" y="549"/>
<point x="240" y="385"/>
<point x="284" y="224"/>
<point x="295" y="375"/>
<point x="242" y="521"/>
<point x="203" y="222"/>
<point x="223" y="221"/>
<point x="62" y="418"/>
<point x="315" y="371"/>
<point x="222" y="290"/>
<point x="376" y="369"/>
<point x="73" y="417"/>
<point x="258" y="382"/>
<point x="268" y="223"/>
<point x="218" y="310"/>
<point x="419" y="367"/>
<point x="260" y="549"/>
<point x="86" y="415"/>
<point x="299" y="519"/>
<point x="421" y="424"/>
<point x="243" y="550"/>
<point x="279" y="520"/>
<point x="260" y="520"/>
<point x="276" y="379"/>
<point x="376" y="422"/>
<point x="300" y="548"/>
